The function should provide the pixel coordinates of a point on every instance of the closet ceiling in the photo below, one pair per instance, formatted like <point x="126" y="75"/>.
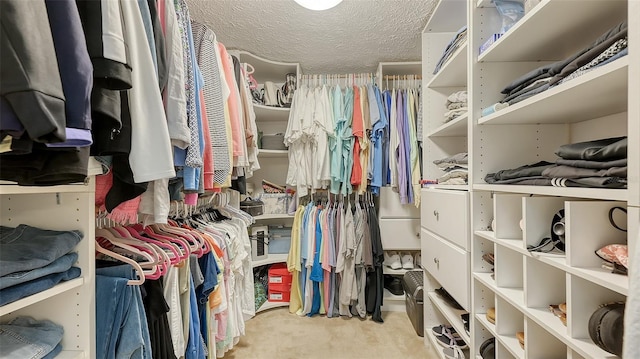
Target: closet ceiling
<point x="352" y="37"/>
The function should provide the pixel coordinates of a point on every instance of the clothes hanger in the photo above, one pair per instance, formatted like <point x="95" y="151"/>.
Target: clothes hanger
<point x="173" y="256"/>
<point x="121" y="258"/>
<point x="153" y="259"/>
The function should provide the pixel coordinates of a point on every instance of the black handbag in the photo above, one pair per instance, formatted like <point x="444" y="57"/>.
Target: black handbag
<point x="254" y="207"/>
<point x="606" y="327"/>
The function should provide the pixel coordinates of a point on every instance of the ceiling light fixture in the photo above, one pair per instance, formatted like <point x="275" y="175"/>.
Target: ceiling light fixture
<point x="318" y="5"/>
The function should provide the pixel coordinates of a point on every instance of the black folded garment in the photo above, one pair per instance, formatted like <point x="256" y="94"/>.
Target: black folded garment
<point x="606" y="149"/>
<point x="531" y="170"/>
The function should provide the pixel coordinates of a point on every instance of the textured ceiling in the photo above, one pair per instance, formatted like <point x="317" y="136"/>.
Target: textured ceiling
<point x="352" y="37"/>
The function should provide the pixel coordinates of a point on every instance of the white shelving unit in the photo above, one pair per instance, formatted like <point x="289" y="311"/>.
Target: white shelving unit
<point x="270" y="305"/>
<point x="445" y="208"/>
<point x="70" y="304"/>
<point x="597" y="105"/>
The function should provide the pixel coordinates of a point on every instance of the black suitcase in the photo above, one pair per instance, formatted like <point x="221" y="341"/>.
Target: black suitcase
<point x="413" y="285"/>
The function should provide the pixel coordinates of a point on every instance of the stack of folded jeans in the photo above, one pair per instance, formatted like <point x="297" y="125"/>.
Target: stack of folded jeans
<point x="456" y="169"/>
<point x="609" y="47"/>
<point x="601" y="163"/>
<point x="33" y="260"/>
<point x="25" y="337"/>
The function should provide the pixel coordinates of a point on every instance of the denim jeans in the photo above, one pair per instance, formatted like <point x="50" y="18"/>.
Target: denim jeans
<point x="25" y="248"/>
<point x="54" y="353"/>
<point x="26" y="289"/>
<point x="27" y="338"/>
<point x="61" y="264"/>
<point x="121" y="322"/>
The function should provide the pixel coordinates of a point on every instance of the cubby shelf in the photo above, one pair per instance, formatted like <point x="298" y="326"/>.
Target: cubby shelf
<point x="482" y="319"/>
<point x="271" y="259"/>
<point x="451" y="314"/>
<point x="270" y="113"/>
<point x="601" y="92"/>
<point x="551" y="27"/>
<point x="270" y="305"/>
<point x="38" y="297"/>
<point x="454" y="72"/>
<point x="592" y="193"/>
<point x="454" y="128"/>
<point x="512" y="345"/>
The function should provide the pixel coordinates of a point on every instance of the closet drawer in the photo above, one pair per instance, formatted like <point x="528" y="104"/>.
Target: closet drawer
<point x="448" y="264"/>
<point x="400" y="234"/>
<point x="390" y="206"/>
<point x="446" y="213"/>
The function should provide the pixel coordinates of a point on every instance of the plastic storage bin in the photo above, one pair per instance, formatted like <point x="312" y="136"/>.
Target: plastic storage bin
<point x="413" y="285"/>
<point x="279" y="274"/>
<point x="279" y="292"/>
<point x="279" y="239"/>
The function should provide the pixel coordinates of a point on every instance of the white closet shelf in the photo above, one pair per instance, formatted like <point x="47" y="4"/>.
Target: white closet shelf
<point x="387" y="270"/>
<point x="551" y="27"/>
<point x="512" y="344"/>
<point x="271" y="259"/>
<point x="458" y="187"/>
<point x="578" y="192"/>
<point x="270" y="305"/>
<point x="454" y="128"/>
<point x="273" y="153"/>
<point x="12" y="188"/>
<point x="392" y="297"/>
<point x="454" y="72"/>
<point x="268" y="70"/>
<point x="270" y="113"/>
<point x="616" y="282"/>
<point x="515" y="296"/>
<point x="35" y="298"/>
<point x="482" y="318"/>
<point x="445" y="17"/>
<point x="272" y="216"/>
<point x="438" y="348"/>
<point x="451" y="314"/>
<point x="585" y="347"/>
<point x="600" y="93"/>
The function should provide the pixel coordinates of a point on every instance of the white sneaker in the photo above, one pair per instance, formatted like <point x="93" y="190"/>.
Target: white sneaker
<point x="407" y="261"/>
<point x="392" y="260"/>
<point x="418" y="260"/>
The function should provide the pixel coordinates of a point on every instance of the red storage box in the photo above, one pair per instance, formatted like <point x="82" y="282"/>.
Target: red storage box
<point x="279" y="274"/>
<point x="279" y="292"/>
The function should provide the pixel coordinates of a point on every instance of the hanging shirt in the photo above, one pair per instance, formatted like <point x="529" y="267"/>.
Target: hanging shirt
<point x="378" y="139"/>
<point x="401" y="152"/>
<point x="394" y="140"/>
<point x="335" y="143"/>
<point x="323" y="131"/>
<point x="358" y="133"/>
<point x="414" y="156"/>
<point x="347" y="141"/>
<point x="406" y="126"/>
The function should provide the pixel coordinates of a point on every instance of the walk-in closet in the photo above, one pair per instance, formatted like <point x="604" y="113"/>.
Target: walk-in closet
<point x="441" y="179"/>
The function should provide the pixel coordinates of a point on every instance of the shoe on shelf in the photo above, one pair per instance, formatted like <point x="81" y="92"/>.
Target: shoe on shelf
<point x="520" y="336"/>
<point x="443" y="329"/>
<point x="465" y="322"/>
<point x="407" y="261"/>
<point x="393" y="284"/>
<point x="453" y="353"/>
<point x="418" y="260"/>
<point x="451" y="340"/>
<point x="491" y="315"/>
<point x="392" y="260"/>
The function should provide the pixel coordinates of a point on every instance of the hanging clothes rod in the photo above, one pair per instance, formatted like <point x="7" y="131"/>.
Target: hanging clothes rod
<point x="402" y="77"/>
<point x="339" y="76"/>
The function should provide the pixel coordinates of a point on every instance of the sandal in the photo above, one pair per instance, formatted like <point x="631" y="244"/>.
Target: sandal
<point x="520" y="336"/>
<point x="450" y="340"/>
<point x="558" y="312"/>
<point x="491" y="315"/>
<point x="453" y="353"/>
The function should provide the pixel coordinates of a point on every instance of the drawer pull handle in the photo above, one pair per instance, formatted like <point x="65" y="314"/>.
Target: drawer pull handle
<point x="437" y="214"/>
<point x="437" y="262"/>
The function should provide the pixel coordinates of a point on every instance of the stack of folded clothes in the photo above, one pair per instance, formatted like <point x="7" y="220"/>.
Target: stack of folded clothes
<point x="609" y="47"/>
<point x="33" y="260"/>
<point x="25" y="337"/>
<point x="456" y="169"/>
<point x="455" y="43"/>
<point x="456" y="105"/>
<point x="600" y="163"/>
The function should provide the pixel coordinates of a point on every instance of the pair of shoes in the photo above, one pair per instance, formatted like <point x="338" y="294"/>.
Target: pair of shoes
<point x="392" y="260"/>
<point x="560" y="311"/>
<point x="447" y="336"/>
<point x="520" y="336"/>
<point x="491" y="315"/>
<point x="393" y="284"/>
<point x="398" y="260"/>
<point x="465" y="322"/>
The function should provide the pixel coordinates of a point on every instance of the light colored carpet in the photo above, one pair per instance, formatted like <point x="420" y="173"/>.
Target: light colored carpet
<point x="277" y="334"/>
